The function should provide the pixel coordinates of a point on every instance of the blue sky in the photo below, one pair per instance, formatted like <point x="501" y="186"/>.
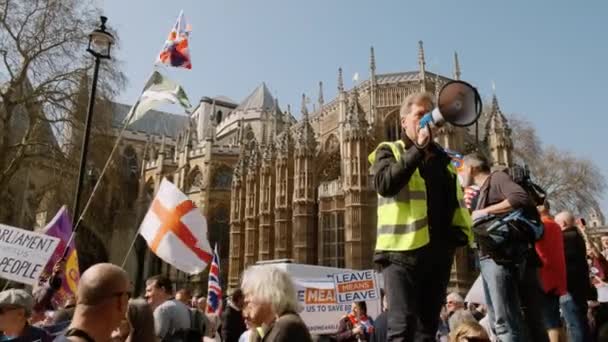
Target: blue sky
<point x="548" y="59"/>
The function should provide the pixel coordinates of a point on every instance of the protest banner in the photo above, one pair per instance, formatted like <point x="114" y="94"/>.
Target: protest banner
<point x="23" y="254"/>
<point x="320" y="311"/>
<point x="356" y="286"/>
<point x="317" y="296"/>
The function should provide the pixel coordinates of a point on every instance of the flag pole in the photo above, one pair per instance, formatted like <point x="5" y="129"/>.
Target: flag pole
<point x="95" y="188"/>
<point x="103" y="171"/>
<point x="124" y="261"/>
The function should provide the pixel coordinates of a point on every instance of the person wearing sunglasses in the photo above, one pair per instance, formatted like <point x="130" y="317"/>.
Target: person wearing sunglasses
<point x="101" y="306"/>
<point x="15" y="309"/>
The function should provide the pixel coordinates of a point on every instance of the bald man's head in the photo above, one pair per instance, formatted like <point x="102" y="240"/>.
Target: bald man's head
<point x="565" y="219"/>
<point x="101" y="282"/>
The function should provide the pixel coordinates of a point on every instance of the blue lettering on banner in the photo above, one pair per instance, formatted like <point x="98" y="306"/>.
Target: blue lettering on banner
<point x="357" y="296"/>
<point x="355" y="276"/>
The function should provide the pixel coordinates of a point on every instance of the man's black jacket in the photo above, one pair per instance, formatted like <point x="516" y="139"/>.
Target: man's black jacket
<point x="577" y="269"/>
<point x="391" y="175"/>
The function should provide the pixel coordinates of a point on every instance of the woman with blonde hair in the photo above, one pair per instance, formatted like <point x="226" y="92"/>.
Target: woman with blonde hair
<point x="469" y="331"/>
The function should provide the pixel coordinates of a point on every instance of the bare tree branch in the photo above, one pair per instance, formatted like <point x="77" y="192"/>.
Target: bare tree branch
<point x="572" y="183"/>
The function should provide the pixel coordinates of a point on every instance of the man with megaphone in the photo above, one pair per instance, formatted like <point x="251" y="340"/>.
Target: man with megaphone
<point x="422" y="217"/>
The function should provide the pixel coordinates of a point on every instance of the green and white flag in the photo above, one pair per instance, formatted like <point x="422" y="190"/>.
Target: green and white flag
<point x="158" y="90"/>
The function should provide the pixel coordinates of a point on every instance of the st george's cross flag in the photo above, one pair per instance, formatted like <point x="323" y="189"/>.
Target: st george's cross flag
<point x="214" y="289"/>
<point x="176" y="52"/>
<point x="176" y="231"/>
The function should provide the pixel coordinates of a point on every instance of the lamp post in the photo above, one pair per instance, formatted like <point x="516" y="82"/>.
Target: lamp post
<point x="100" y="42"/>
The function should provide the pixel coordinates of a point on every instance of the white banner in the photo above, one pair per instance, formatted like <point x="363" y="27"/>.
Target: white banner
<point x="357" y="286"/>
<point x="23" y="254"/>
<point x="320" y="310"/>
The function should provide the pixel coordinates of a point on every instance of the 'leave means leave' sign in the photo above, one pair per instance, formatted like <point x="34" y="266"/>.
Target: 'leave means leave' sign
<point x="358" y="286"/>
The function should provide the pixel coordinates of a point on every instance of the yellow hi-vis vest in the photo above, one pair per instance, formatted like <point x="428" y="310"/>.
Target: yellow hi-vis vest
<point x="402" y="219"/>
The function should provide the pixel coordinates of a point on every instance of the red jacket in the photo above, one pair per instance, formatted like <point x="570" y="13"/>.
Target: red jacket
<point x="550" y="249"/>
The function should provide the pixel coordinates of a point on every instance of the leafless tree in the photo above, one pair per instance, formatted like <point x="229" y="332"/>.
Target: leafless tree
<point x="572" y="182"/>
<point x="43" y="69"/>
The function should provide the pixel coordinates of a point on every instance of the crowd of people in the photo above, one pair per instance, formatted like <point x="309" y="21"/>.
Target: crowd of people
<point x="542" y="277"/>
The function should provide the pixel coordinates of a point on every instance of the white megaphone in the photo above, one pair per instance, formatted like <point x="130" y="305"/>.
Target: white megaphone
<point x="458" y="103"/>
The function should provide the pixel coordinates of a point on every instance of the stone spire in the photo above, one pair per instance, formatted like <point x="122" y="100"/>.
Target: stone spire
<point x="421" y="62"/>
<point x="372" y="87"/>
<point x="456" y="66"/>
<point x="212" y="122"/>
<point x="421" y="66"/>
<point x="498" y="137"/>
<point x="305" y="137"/>
<point x="304" y="109"/>
<point x="340" y="80"/>
<point x="321" y="99"/>
<point x="372" y="60"/>
<point x="277" y="117"/>
<point x="355" y="117"/>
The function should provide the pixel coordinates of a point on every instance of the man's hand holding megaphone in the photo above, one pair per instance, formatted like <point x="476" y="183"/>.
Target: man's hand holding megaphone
<point x="458" y="103"/>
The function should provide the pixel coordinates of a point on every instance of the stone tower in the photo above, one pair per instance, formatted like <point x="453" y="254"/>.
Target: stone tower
<point x="359" y="218"/>
<point x="304" y="199"/>
<point x="498" y="135"/>
<point x="267" y="203"/>
<point x="237" y="219"/>
<point x="252" y="205"/>
<point x="284" y="189"/>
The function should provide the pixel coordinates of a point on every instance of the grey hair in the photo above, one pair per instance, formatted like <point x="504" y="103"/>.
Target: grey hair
<point x="269" y="284"/>
<point x="414" y="98"/>
<point x="455" y="297"/>
<point x="477" y="160"/>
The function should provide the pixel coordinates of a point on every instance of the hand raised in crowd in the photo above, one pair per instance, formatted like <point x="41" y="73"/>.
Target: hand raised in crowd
<point x="59" y="266"/>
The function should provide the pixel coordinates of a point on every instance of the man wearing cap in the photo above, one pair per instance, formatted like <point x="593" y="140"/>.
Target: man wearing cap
<point x="15" y="308"/>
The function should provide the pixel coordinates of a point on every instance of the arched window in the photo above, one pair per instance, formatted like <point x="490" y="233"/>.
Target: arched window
<point x="130" y="164"/>
<point x="130" y="173"/>
<point x="392" y="126"/>
<point x="218" y="117"/>
<point x="330" y="160"/>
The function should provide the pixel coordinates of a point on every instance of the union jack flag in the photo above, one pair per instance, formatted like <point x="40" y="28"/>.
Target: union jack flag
<point x="214" y="290"/>
<point x="176" y="52"/>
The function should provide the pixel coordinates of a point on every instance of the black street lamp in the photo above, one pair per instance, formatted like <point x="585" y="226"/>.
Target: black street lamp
<point x="100" y="42"/>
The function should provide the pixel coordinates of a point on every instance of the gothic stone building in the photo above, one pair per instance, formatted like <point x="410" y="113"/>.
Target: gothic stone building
<point x="272" y="187"/>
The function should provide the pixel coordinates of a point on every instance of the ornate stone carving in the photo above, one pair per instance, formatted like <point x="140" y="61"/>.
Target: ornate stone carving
<point x="195" y="181"/>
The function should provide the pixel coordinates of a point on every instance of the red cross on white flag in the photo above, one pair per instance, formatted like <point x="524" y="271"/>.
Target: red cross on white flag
<point x="176" y="231"/>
